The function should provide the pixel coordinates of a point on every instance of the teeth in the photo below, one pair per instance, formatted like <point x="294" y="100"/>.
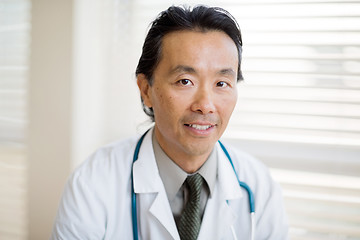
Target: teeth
<point x="200" y="127"/>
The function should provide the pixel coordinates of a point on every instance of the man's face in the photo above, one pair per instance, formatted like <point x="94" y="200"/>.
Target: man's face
<point x="193" y="92"/>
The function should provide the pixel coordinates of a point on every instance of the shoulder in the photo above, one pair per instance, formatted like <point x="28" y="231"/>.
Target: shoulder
<point x="107" y="161"/>
<point x="253" y="172"/>
<point x="95" y="192"/>
<point x="272" y="221"/>
<point x="244" y="163"/>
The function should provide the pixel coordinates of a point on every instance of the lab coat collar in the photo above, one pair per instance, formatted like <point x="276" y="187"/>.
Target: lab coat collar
<point x="227" y="180"/>
<point x="145" y="171"/>
<point x="147" y="178"/>
<point x="147" y="181"/>
<point x="226" y="189"/>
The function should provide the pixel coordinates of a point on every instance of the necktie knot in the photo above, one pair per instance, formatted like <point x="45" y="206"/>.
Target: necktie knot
<point x="195" y="183"/>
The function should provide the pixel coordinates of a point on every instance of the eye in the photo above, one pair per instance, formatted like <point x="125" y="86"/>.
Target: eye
<point x="184" y="82"/>
<point x="222" y="84"/>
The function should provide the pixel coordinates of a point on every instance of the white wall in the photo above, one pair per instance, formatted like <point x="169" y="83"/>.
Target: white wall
<point x="78" y="99"/>
<point x="49" y="136"/>
<point x="106" y="103"/>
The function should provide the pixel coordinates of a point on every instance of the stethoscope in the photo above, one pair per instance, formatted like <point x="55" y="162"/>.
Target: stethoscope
<point x="242" y="184"/>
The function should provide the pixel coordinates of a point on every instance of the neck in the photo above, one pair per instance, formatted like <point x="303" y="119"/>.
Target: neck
<point x="190" y="165"/>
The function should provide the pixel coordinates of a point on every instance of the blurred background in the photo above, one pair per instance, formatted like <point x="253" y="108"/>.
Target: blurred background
<point x="67" y="86"/>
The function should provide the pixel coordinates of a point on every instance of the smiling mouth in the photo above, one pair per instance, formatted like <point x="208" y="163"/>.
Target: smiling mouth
<point x="199" y="127"/>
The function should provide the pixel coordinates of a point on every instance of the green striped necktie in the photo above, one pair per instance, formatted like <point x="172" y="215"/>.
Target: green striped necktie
<point x="190" y="220"/>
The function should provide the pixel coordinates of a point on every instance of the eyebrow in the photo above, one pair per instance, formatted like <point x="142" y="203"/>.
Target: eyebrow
<point x="227" y="72"/>
<point x="183" y="68"/>
<point x="188" y="69"/>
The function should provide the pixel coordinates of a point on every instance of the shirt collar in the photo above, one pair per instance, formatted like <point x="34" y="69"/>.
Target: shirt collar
<point x="173" y="176"/>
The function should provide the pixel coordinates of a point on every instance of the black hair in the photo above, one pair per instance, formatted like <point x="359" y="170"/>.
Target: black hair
<point x="177" y="18"/>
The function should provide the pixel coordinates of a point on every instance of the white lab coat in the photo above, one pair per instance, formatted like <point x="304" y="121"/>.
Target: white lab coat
<point x="96" y="203"/>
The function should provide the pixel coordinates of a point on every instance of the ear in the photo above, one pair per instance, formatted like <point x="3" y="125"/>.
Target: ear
<point x="145" y="89"/>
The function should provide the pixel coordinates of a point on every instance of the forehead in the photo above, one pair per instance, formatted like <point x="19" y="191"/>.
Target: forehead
<point x="199" y="48"/>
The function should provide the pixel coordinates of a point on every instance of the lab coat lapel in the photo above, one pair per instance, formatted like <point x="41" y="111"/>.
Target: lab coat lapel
<point x="162" y="211"/>
<point x="149" y="188"/>
<point x="219" y="216"/>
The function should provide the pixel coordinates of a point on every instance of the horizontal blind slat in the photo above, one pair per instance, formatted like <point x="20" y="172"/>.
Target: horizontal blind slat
<point x="321" y="204"/>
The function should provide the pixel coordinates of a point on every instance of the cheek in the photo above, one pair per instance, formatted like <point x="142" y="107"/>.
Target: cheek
<point x="164" y="104"/>
<point x="172" y="104"/>
<point x="232" y="103"/>
<point x="228" y="105"/>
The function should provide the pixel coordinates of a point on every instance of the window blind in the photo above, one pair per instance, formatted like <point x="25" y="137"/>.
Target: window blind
<point x="301" y="65"/>
<point x="14" y="50"/>
<point x="299" y="107"/>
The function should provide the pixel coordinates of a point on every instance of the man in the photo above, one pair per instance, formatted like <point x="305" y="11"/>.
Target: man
<point x="177" y="182"/>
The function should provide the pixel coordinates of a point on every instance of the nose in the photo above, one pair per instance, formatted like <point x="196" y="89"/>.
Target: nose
<point x="203" y="102"/>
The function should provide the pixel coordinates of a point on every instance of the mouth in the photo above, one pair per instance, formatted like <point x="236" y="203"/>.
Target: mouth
<point x="200" y="127"/>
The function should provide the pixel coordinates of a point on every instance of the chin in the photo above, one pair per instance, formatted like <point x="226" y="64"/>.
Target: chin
<point x="199" y="148"/>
